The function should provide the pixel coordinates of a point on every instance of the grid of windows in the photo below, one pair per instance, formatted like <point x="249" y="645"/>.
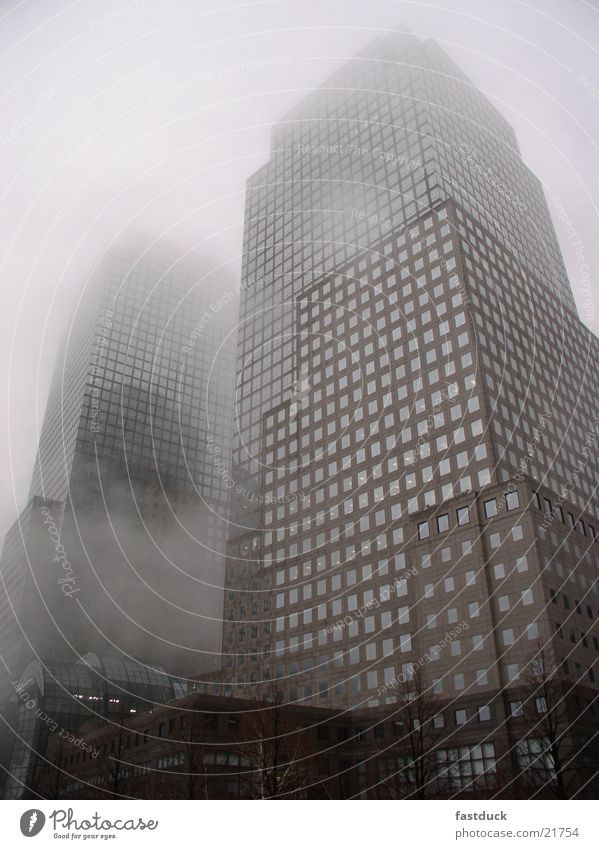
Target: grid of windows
<point x="143" y="382"/>
<point x="372" y="406"/>
<point x="462" y="767"/>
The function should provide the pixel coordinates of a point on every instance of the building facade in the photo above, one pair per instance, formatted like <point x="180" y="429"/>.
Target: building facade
<point x="214" y="747"/>
<point x="393" y="133"/>
<point x="417" y="408"/>
<point x="221" y="747"/>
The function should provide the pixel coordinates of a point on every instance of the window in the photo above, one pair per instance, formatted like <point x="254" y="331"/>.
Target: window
<point x="516" y="709"/>
<point x="458" y="767"/>
<point x="490" y="508"/>
<point x="513" y="671"/>
<point x="443" y="523"/>
<point x="461" y="717"/>
<point x="527" y="597"/>
<point x="484" y="713"/>
<point x="463" y="515"/>
<point x="405" y="642"/>
<point x="423" y="530"/>
<point x="535" y="754"/>
<point x="512" y="502"/>
<point x="372" y="679"/>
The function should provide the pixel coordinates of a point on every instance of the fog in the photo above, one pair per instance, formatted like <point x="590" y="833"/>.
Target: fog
<point x="150" y="115"/>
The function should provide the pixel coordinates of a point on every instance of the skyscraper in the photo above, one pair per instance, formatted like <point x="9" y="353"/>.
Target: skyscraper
<point x="126" y="493"/>
<point x="417" y="412"/>
<point x="394" y="132"/>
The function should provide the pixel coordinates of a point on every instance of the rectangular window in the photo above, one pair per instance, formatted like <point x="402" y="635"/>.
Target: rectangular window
<point x="423" y="530"/>
<point x="512" y="502"/>
<point x="490" y="508"/>
<point x="463" y="515"/>
<point x="458" y="768"/>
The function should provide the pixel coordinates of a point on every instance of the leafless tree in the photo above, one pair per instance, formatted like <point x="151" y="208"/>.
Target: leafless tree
<point x="418" y="740"/>
<point x="49" y="777"/>
<point x="112" y="768"/>
<point x="187" y="777"/>
<point x="277" y="753"/>
<point x="545" y="751"/>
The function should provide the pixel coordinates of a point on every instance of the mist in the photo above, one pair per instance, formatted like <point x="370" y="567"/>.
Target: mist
<point x="138" y="115"/>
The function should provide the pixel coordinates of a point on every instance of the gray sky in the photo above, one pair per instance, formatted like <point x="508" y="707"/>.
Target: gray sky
<point x="152" y="114"/>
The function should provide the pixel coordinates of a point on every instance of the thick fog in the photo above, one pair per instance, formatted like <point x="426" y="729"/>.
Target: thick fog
<point x="146" y="115"/>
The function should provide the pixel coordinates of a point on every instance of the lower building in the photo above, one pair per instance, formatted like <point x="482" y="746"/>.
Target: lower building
<point x="421" y="746"/>
<point x="210" y="747"/>
<point x="53" y="699"/>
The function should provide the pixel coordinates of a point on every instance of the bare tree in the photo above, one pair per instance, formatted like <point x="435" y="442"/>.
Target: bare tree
<point x="50" y="778"/>
<point x="187" y="776"/>
<point x="416" y="747"/>
<point x="113" y="770"/>
<point x="277" y="753"/>
<point x="545" y="751"/>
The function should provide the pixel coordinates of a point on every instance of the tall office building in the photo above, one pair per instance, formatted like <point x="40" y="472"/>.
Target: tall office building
<point x="142" y="380"/>
<point x="417" y="413"/>
<point x="127" y="495"/>
<point x="394" y="132"/>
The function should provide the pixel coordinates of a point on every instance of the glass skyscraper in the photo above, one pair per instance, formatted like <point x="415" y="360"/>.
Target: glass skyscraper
<point x="143" y="381"/>
<point x="128" y="473"/>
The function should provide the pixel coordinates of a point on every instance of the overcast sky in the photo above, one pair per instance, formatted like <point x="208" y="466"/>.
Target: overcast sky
<point x="153" y="114"/>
